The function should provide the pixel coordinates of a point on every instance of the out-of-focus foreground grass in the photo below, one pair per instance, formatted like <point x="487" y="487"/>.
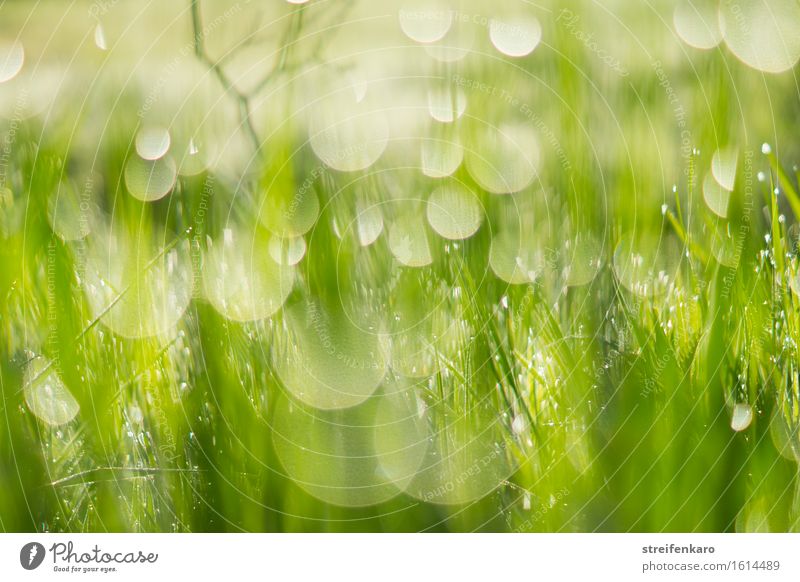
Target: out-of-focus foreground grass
<point x="384" y="266"/>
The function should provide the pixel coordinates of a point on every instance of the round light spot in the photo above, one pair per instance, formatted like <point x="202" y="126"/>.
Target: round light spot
<point x="425" y="21"/>
<point x="515" y="37"/>
<point x="409" y="242"/>
<point x="346" y="136"/>
<point x="287" y="251"/>
<point x="466" y="458"/>
<point x="46" y="395"/>
<point x="150" y="180"/>
<point x="506" y="160"/>
<point x="716" y="197"/>
<point x="723" y="245"/>
<point x="514" y="260"/>
<point x="723" y="167"/>
<point x="12" y="57"/>
<point x="242" y="281"/>
<point x="193" y="161"/>
<point x="764" y="34"/>
<point x="454" y="212"/>
<point x="424" y="332"/>
<point x="69" y="213"/>
<point x="697" y="23"/>
<point x="328" y="362"/>
<point x="785" y="436"/>
<point x="288" y="212"/>
<point x="152" y="143"/>
<point x="332" y="453"/>
<point x="369" y="224"/>
<point x="440" y="158"/>
<point x="447" y="105"/>
<point x="136" y="290"/>
<point x="584" y="259"/>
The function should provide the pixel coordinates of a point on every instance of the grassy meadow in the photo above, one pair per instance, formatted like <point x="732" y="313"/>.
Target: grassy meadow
<point x="433" y="265"/>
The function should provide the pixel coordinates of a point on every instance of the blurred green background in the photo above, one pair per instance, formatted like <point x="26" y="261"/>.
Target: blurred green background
<point x="399" y="266"/>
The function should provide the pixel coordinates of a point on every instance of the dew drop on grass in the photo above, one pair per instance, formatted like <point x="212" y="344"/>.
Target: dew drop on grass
<point x="241" y="279"/>
<point x="764" y="34"/>
<point x="12" y="57"/>
<point x="440" y="157"/>
<point x="515" y="37"/>
<point x="46" y="395"/>
<point x="742" y="417"/>
<point x="697" y="24"/>
<point x="329" y="361"/>
<point x="152" y="143"/>
<point x="454" y="212"/>
<point x="723" y="167"/>
<point x="100" y="37"/>
<point x="716" y="197"/>
<point x="287" y="251"/>
<point x="446" y="105"/>
<point x="507" y="159"/>
<point x="425" y="21"/>
<point x="408" y="242"/>
<point x="519" y="425"/>
<point x="149" y="180"/>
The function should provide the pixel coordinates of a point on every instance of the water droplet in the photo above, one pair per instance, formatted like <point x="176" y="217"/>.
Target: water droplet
<point x="742" y="417"/>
